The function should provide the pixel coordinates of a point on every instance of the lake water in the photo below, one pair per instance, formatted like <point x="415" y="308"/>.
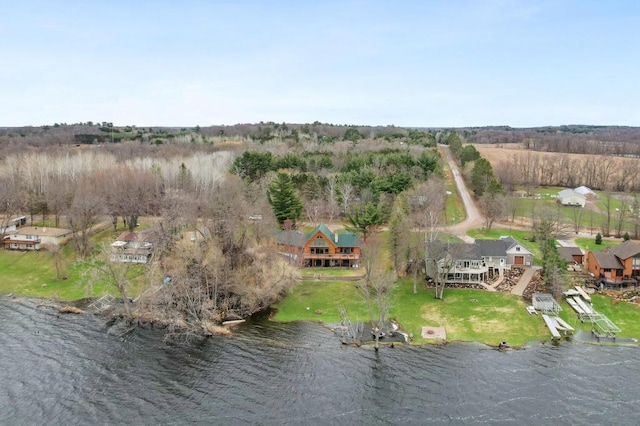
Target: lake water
<point x="66" y="369"/>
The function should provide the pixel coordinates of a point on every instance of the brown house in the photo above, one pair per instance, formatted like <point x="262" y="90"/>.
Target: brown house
<point x="619" y="266"/>
<point x="320" y="247"/>
<point x="629" y="255"/>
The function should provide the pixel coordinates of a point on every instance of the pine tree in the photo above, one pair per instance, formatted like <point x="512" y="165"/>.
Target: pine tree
<point x="283" y="197"/>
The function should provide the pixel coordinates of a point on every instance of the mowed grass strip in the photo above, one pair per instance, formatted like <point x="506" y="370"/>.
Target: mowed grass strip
<point x="467" y="315"/>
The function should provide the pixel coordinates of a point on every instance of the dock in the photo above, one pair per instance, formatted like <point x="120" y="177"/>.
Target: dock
<point x="583" y="293"/>
<point x="581" y="303"/>
<point x="551" y="325"/>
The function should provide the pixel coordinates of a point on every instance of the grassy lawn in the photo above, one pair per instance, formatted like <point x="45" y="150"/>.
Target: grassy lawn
<point x="495" y="317"/>
<point x="590" y="243"/>
<point x="624" y="315"/>
<point x="323" y="296"/>
<point x="33" y="274"/>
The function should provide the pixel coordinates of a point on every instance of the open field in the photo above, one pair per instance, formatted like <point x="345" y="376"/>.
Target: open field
<point x="496" y="153"/>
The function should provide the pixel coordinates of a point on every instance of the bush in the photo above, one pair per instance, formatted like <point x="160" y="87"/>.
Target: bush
<point x="598" y="239"/>
<point x="626" y="236"/>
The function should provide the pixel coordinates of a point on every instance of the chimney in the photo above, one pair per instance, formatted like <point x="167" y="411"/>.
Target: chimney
<point x="335" y="237"/>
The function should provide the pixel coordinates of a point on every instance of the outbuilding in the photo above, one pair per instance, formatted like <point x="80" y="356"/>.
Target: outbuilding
<point x="569" y="197"/>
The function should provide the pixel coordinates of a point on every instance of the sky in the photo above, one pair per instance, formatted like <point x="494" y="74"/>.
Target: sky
<point x="448" y="63"/>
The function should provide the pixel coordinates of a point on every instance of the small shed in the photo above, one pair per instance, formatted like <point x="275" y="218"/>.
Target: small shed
<point x="545" y="303"/>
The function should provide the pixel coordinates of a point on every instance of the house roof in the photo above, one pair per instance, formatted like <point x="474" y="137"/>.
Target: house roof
<point x="465" y="251"/>
<point x="569" y="193"/>
<point x="291" y="238"/>
<point x="492" y="247"/>
<point x="607" y="260"/>
<point x="346" y="239"/>
<point x="42" y="231"/>
<point x="298" y="239"/>
<point x="567" y="253"/>
<point x="584" y="190"/>
<point x="497" y="247"/>
<point x="626" y="250"/>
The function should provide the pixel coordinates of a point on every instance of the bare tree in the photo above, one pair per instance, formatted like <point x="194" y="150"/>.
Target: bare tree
<point x="108" y="270"/>
<point x="347" y="192"/>
<point x="608" y="208"/>
<point x="83" y="213"/>
<point x="332" y="198"/>
<point x="377" y="289"/>
<point x="621" y="215"/>
<point x="576" y="215"/>
<point x="493" y="207"/>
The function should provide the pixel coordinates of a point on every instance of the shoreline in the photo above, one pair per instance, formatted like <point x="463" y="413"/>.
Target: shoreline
<point x="113" y="315"/>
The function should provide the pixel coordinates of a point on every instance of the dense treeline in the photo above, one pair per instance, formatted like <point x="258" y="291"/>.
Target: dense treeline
<point x="530" y="169"/>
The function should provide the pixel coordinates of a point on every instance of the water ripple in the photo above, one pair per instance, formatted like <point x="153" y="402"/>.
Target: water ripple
<point x="72" y="370"/>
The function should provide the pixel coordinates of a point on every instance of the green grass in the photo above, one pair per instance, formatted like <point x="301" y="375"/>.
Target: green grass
<point x="624" y="315"/>
<point x="33" y="274"/>
<point x="590" y="219"/>
<point x="323" y="296"/>
<point x="454" y="211"/>
<point x="495" y="317"/>
<point x="590" y="243"/>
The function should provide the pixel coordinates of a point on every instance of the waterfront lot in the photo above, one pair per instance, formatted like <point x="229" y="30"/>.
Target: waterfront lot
<point x="467" y="315"/>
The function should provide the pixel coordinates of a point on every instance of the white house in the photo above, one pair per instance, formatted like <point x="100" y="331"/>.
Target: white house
<point x="569" y="197"/>
<point x="132" y="247"/>
<point x="33" y="237"/>
<point x="478" y="262"/>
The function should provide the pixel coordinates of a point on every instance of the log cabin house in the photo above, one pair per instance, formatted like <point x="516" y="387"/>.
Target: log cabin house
<point x="320" y="247"/>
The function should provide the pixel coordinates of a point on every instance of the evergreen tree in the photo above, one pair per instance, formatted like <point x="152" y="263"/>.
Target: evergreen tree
<point x="284" y="199"/>
<point x="553" y="267"/>
<point x="455" y="144"/>
<point x="364" y="220"/>
<point x="481" y="176"/>
<point x="469" y="153"/>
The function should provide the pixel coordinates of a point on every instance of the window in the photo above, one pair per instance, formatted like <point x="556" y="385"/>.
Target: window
<point x="518" y="248"/>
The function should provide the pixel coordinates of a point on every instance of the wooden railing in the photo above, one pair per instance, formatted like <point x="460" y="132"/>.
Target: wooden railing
<point x="337" y="256"/>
